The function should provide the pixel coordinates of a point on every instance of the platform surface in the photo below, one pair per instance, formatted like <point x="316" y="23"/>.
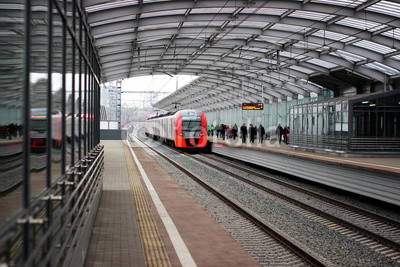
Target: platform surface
<point x="116" y="238"/>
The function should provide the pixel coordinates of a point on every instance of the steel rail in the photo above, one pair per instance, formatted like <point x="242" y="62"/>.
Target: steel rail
<point x="380" y="239"/>
<point x="332" y="201"/>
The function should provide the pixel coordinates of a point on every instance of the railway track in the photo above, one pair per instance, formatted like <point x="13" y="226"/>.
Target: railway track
<point x="295" y="253"/>
<point x="387" y="245"/>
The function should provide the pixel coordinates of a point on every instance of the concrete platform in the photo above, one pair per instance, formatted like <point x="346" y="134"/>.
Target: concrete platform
<point x="119" y="238"/>
<point x="116" y="239"/>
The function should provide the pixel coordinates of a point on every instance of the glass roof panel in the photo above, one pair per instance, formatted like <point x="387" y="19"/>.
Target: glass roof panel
<point x="203" y="23"/>
<point x="212" y="10"/>
<point x="252" y="24"/>
<point x="361" y="24"/>
<point x="257" y="49"/>
<point x="112" y="33"/>
<point x="107" y="6"/>
<point x="386" y="7"/>
<point x="311" y="15"/>
<point x="288" y="54"/>
<point x="396" y="57"/>
<point x="348" y="56"/>
<point x="268" y="61"/>
<point x="346" y="3"/>
<point x="114" y="20"/>
<point x="301" y="69"/>
<point x="374" y="47"/>
<point x="381" y="67"/>
<point x="153" y="1"/>
<point x="265" y="11"/>
<point x="306" y="45"/>
<point x="158" y="26"/>
<point x="395" y="33"/>
<point x="289" y="28"/>
<point x="271" y="39"/>
<point x="322" y="63"/>
<point x="236" y="36"/>
<point x="163" y="13"/>
<point x="330" y="35"/>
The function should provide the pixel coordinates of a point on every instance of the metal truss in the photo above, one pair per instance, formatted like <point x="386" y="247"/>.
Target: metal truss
<point x="270" y="48"/>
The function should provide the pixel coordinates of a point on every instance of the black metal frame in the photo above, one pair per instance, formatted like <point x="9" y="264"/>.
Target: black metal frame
<point x="45" y="230"/>
<point x="347" y="143"/>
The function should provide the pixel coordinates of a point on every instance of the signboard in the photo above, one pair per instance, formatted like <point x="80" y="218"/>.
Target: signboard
<point x="252" y="106"/>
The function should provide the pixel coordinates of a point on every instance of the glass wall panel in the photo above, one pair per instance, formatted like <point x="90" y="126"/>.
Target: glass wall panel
<point x="38" y="100"/>
<point x="314" y="119"/>
<point x="345" y="118"/>
<point x="338" y="119"/>
<point x="320" y="122"/>
<point x="56" y="88"/>
<point x="11" y="104"/>
<point x="69" y="98"/>
<point x="325" y="121"/>
<point x="309" y="119"/>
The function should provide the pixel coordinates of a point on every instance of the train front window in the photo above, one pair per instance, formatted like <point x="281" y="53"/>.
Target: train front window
<point x="38" y="124"/>
<point x="194" y="125"/>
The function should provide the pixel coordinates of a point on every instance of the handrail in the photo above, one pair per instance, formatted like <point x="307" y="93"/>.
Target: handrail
<point x="52" y="237"/>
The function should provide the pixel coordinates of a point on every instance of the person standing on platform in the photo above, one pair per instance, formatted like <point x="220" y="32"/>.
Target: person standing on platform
<point x="243" y="133"/>
<point x="285" y="134"/>
<point x="261" y="133"/>
<point x="254" y="132"/>
<point x="279" y="132"/>
<point x="251" y="132"/>
<point x="212" y="129"/>
<point x="223" y="131"/>
<point x="234" y="131"/>
<point x="208" y="130"/>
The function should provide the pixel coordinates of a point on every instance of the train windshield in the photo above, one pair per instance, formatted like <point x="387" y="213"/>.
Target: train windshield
<point x="39" y="124"/>
<point x="38" y="119"/>
<point x="191" y="125"/>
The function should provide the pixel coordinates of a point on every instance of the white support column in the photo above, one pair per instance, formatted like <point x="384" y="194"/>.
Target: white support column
<point x="283" y="113"/>
<point x="274" y="114"/>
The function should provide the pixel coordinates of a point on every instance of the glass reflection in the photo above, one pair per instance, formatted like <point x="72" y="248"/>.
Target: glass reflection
<point x="11" y="88"/>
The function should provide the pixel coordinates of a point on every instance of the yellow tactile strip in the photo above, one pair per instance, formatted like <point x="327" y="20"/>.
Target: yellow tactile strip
<point x="155" y="252"/>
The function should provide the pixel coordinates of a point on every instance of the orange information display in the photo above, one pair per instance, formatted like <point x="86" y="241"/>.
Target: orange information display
<point x="252" y="106"/>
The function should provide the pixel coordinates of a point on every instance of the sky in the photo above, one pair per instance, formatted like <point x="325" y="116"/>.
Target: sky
<point x="156" y="83"/>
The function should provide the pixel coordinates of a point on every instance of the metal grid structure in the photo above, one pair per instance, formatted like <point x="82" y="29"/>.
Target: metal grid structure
<point x="248" y="51"/>
<point x="48" y="63"/>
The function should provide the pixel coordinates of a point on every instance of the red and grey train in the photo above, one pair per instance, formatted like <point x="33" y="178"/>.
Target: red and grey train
<point x="182" y="129"/>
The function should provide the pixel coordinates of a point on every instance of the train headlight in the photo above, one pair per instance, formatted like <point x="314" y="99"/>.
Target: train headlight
<point x="181" y="134"/>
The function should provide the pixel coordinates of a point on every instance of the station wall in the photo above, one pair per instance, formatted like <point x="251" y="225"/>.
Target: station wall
<point x="269" y="117"/>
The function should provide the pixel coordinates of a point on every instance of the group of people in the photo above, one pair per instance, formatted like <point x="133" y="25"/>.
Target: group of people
<point x="224" y="131"/>
<point x="10" y="131"/>
<point x="282" y="132"/>
<point x="252" y="133"/>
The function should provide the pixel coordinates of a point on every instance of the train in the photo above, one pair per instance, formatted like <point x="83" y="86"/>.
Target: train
<point x="186" y="129"/>
<point x="38" y="129"/>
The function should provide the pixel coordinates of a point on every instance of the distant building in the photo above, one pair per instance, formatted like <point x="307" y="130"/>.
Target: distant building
<point x="111" y="99"/>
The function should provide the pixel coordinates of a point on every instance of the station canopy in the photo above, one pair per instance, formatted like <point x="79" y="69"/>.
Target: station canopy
<point x="248" y="51"/>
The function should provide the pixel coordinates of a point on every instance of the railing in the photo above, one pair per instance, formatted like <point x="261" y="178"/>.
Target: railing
<point x="336" y="143"/>
<point x="49" y="231"/>
<point x="339" y="143"/>
<point x="382" y="144"/>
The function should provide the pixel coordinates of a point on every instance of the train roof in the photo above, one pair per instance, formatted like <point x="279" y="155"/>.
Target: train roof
<point x="169" y="114"/>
